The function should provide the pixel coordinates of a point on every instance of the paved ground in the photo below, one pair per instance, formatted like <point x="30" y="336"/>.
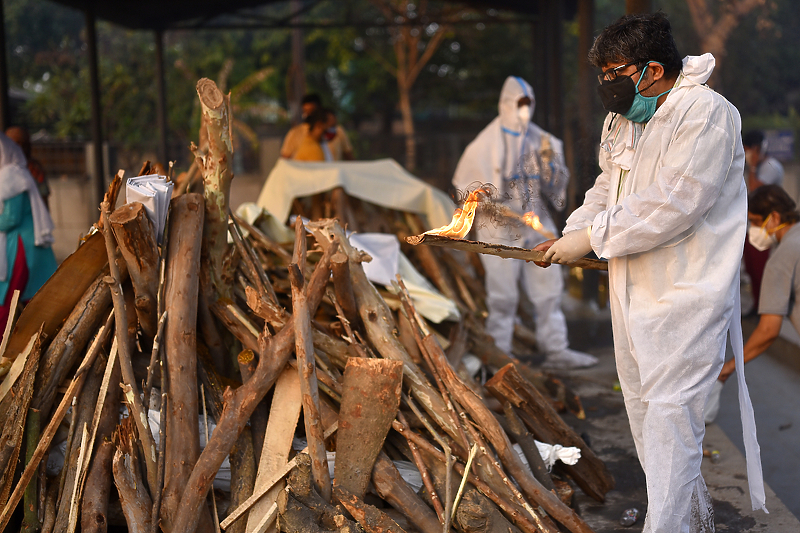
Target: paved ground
<point x="606" y="426"/>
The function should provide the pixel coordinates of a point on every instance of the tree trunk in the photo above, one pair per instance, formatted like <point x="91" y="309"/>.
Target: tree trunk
<point x="408" y="124"/>
<point x="137" y="242"/>
<point x="183" y="265"/>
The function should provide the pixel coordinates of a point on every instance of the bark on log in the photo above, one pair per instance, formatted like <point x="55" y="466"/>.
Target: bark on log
<point x="590" y="473"/>
<point x="216" y="166"/>
<point x="65" y="349"/>
<point x="183" y="265"/>
<point x="301" y="484"/>
<point x="137" y="242"/>
<point x="260" y="417"/>
<point x="379" y="324"/>
<point x="371" y="518"/>
<point x="394" y="490"/>
<point x="525" y="440"/>
<point x="306" y="366"/>
<point x="243" y="474"/>
<point x="500" y="250"/>
<point x="240" y="404"/>
<point x="343" y="288"/>
<point x="98" y="480"/>
<point x="370" y="400"/>
<point x="30" y="521"/>
<point x="74" y="389"/>
<point x="94" y="508"/>
<point x="12" y="430"/>
<point x="476" y="514"/>
<point x="136" y="503"/>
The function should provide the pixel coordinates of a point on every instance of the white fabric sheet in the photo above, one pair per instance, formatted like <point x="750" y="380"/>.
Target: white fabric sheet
<point x="382" y="182"/>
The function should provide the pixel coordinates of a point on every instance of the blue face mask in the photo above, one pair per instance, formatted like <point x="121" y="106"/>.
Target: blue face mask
<point x="643" y="107"/>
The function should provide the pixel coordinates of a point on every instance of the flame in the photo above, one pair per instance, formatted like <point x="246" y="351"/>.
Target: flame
<point x="532" y="219"/>
<point x="462" y="218"/>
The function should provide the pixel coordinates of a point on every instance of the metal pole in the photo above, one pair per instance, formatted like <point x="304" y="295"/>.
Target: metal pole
<point x="98" y="173"/>
<point x="555" y="60"/>
<point x="5" y="108"/>
<point x="298" y="65"/>
<point x="161" y="100"/>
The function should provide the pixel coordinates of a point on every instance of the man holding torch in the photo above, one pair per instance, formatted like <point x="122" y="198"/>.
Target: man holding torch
<point x="669" y="212"/>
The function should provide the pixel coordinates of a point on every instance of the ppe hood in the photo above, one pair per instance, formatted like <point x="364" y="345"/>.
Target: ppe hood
<point x="698" y="68"/>
<point x="514" y="88"/>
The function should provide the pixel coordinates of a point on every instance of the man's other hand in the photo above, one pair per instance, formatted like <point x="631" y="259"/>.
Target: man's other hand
<point x="543" y="248"/>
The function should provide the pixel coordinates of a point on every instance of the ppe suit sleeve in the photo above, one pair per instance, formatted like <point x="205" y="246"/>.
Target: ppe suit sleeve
<point x="595" y="200"/>
<point x="688" y="182"/>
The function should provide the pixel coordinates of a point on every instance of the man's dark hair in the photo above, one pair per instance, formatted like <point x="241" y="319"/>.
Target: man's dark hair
<point x="637" y="38"/>
<point x="753" y="138"/>
<point x="319" y="115"/>
<point x="311" y="98"/>
<point x="769" y="198"/>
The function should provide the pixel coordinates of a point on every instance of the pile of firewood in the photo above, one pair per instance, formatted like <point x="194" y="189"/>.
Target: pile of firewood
<point x="249" y="336"/>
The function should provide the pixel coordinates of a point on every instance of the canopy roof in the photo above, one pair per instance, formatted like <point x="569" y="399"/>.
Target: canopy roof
<point x="185" y="14"/>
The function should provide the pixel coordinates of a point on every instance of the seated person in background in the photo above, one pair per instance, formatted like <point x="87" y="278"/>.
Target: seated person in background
<point x="310" y="103"/>
<point x="336" y="137"/>
<point x="773" y="220"/>
<point x="20" y="136"/>
<point x="762" y="168"/>
<point x="312" y="147"/>
<point x="26" y="230"/>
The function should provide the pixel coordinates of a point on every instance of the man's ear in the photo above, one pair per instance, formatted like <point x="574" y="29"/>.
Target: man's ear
<point x="657" y="70"/>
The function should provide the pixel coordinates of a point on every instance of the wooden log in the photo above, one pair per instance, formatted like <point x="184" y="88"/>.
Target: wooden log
<point x="491" y="429"/>
<point x="12" y="430"/>
<point x="137" y="243"/>
<point x="379" y="324"/>
<point x="370" y="517"/>
<point x="370" y="400"/>
<point x="343" y="288"/>
<point x="217" y="176"/>
<point x="259" y="419"/>
<point x="500" y="250"/>
<point x="525" y="440"/>
<point x="302" y="485"/>
<point x="306" y="366"/>
<point x="30" y="521"/>
<point x="74" y="389"/>
<point x="94" y="507"/>
<point x="99" y="477"/>
<point x="284" y="415"/>
<point x="240" y="404"/>
<point x="180" y="343"/>
<point x="65" y="349"/>
<point x="49" y="515"/>
<point x="84" y="410"/>
<point x="295" y="517"/>
<point x="476" y="514"/>
<point x="396" y="492"/>
<point x="427" y="482"/>
<point x="590" y="473"/>
<point x="136" y="503"/>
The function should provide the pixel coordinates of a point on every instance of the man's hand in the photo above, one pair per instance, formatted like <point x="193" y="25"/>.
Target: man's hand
<point x="570" y="247"/>
<point x="543" y="248"/>
<point x="727" y="369"/>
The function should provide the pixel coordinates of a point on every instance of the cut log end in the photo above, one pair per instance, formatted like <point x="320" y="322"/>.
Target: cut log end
<point x="209" y="93"/>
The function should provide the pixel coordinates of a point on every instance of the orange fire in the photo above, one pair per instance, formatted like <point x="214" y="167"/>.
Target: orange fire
<point x="462" y="218"/>
<point x="532" y="219"/>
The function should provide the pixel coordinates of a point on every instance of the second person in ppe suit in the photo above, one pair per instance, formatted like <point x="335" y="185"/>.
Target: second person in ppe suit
<point x="669" y="212"/>
<point x="526" y="166"/>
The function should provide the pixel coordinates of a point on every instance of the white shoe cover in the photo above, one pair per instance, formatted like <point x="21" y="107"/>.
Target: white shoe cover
<point x="567" y="359"/>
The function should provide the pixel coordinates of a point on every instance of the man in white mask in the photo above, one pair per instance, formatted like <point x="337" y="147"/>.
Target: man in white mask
<point x="669" y="212"/>
<point x="526" y="166"/>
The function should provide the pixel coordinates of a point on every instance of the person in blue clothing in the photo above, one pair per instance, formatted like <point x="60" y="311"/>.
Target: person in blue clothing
<point x="26" y="230"/>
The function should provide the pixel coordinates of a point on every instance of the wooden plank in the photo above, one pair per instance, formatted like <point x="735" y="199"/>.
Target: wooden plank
<point x="284" y="415"/>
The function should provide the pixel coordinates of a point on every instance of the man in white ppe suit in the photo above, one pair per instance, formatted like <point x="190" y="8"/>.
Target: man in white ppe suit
<point x="525" y="164"/>
<point x="669" y="212"/>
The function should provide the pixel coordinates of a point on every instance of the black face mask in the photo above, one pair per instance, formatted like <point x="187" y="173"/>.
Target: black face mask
<point x="617" y="95"/>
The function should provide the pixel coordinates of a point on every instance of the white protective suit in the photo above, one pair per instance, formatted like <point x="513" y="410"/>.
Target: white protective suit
<point x="524" y="163"/>
<point x="669" y="212"/>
